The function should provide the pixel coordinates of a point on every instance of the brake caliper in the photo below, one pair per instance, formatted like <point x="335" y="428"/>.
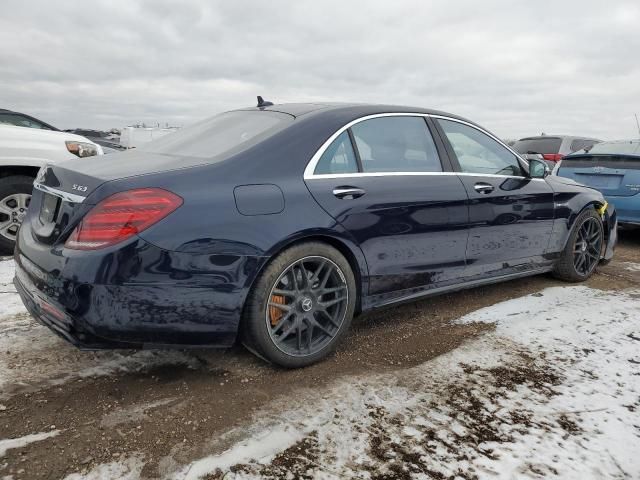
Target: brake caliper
<point x="275" y="314"/>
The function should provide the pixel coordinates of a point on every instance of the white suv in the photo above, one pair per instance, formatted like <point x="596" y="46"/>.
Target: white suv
<point x="23" y="151"/>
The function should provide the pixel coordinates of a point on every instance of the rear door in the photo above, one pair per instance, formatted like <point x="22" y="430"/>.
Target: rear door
<point x="385" y="181"/>
<point x="510" y="214"/>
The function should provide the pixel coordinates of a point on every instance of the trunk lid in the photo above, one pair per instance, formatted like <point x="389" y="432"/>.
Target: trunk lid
<point x="616" y="175"/>
<point x="58" y="201"/>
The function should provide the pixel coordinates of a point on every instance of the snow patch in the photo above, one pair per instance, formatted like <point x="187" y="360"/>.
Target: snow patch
<point x="260" y="448"/>
<point x="130" y="469"/>
<point x="632" y="267"/>
<point x="24" y="441"/>
<point x="555" y="391"/>
<point x="9" y="299"/>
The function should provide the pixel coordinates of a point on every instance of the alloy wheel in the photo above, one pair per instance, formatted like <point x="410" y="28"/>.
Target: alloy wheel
<point x="13" y="209"/>
<point x="306" y="306"/>
<point x="587" y="248"/>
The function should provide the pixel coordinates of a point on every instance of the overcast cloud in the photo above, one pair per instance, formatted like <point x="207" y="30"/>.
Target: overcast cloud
<point x="518" y="68"/>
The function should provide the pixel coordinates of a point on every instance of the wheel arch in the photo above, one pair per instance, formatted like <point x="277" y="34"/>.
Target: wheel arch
<point x="13" y="170"/>
<point x="595" y="204"/>
<point x="346" y="247"/>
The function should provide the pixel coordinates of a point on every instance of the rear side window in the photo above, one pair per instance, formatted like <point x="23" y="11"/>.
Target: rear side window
<point x="338" y="158"/>
<point x="396" y="144"/>
<point x="540" y="145"/>
<point x="478" y="152"/>
<point x="581" y="143"/>
<point x="226" y="133"/>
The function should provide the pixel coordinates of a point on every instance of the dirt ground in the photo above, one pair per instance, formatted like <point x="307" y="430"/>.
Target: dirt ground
<point x="169" y="411"/>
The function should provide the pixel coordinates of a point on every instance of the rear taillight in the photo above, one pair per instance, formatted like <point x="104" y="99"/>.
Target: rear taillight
<point x="121" y="216"/>
<point x="554" y="157"/>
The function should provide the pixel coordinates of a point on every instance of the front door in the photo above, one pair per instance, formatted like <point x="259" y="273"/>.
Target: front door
<point x="510" y="214"/>
<point x="384" y="182"/>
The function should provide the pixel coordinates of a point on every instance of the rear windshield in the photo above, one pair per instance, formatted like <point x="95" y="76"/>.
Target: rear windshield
<point x="621" y="148"/>
<point x="600" y="160"/>
<point x="226" y="133"/>
<point x="538" y="145"/>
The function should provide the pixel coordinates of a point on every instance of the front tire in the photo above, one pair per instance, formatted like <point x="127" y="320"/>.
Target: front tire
<point x="301" y="306"/>
<point x="15" y="196"/>
<point x="582" y="253"/>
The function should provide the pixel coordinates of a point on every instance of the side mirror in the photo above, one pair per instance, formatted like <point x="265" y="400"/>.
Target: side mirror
<point x="538" y="168"/>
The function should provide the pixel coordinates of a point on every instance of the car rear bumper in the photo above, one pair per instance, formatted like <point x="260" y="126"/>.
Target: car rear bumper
<point x="136" y="297"/>
<point x="627" y="208"/>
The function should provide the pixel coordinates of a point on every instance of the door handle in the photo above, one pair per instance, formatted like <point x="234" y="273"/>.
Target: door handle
<point x="348" y="193"/>
<point x="483" y="188"/>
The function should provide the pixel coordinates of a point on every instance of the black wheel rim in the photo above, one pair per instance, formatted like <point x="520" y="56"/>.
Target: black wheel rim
<point x="586" y="250"/>
<point x="307" y="306"/>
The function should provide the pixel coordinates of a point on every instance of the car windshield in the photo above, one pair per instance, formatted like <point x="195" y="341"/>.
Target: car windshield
<point x="538" y="145"/>
<point x="629" y="147"/>
<point x="228" y="132"/>
<point x="20" y="121"/>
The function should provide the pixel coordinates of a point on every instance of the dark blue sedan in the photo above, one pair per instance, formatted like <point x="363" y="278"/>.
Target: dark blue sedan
<point x="277" y="224"/>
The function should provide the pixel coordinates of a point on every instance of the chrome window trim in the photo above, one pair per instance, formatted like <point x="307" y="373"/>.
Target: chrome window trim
<point x="311" y="166"/>
<point x="415" y="174"/>
<point x="67" y="197"/>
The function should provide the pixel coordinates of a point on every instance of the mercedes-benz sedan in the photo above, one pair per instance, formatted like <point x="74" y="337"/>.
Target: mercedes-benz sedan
<point x="277" y="224"/>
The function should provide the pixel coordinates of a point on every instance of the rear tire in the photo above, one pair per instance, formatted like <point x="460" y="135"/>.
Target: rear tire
<point x="582" y="253"/>
<point x="15" y="195"/>
<point x="301" y="306"/>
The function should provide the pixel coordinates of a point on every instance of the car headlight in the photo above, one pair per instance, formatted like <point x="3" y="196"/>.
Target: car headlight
<point x="82" y="149"/>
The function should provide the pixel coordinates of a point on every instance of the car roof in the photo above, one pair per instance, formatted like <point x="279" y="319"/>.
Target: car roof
<point x="613" y="142"/>
<point x="357" y="109"/>
<point x="562" y="137"/>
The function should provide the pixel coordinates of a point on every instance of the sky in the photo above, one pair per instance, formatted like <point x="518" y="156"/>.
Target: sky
<point x="518" y="68"/>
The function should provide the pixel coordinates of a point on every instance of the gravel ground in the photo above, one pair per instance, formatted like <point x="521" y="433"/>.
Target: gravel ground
<point x="177" y="414"/>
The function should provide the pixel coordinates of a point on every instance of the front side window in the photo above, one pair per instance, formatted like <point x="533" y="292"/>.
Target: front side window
<point x="396" y="144"/>
<point x="478" y="152"/>
<point x="338" y="158"/>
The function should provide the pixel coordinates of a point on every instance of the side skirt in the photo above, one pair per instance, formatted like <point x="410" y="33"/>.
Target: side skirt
<point x="370" y="303"/>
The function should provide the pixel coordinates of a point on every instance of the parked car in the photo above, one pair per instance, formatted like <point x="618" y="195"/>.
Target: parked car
<point x="277" y="224"/>
<point x="109" y="142"/>
<point x="8" y="117"/>
<point x="614" y="169"/>
<point x="23" y="151"/>
<point x="552" y="147"/>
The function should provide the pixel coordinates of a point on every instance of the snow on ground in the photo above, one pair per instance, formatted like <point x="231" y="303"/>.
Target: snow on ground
<point x="9" y="299"/>
<point x="44" y="358"/>
<point x="26" y="440"/>
<point x="555" y="391"/>
<point x="128" y="470"/>
<point x="632" y="267"/>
